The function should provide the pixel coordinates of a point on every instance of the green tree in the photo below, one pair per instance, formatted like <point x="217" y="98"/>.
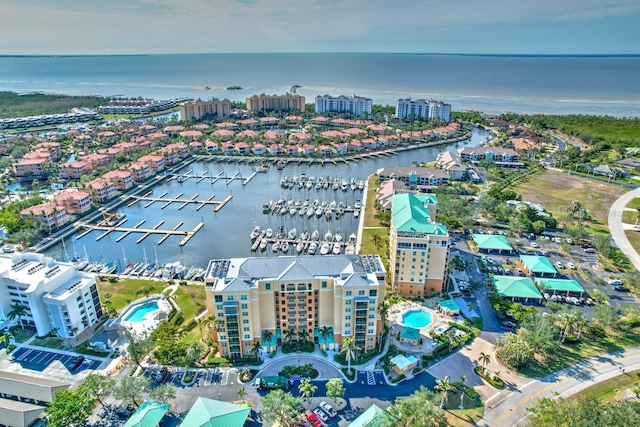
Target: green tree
<point x="484" y="359"/>
<point x="306" y="389"/>
<point x="6" y="338"/>
<point x="541" y="334"/>
<point x="256" y="350"/>
<point x="606" y="316"/>
<point x="280" y="407"/>
<point x="132" y="389"/>
<point x="267" y="336"/>
<point x="349" y="348"/>
<point x="17" y="310"/>
<point x="289" y="334"/>
<point x="335" y="388"/>
<point x="136" y="349"/>
<point x="99" y="386"/>
<point x="303" y="335"/>
<point x="241" y="393"/>
<point x="326" y="332"/>
<point x="444" y="386"/>
<point x="590" y="411"/>
<point x="69" y="407"/>
<point x="514" y="350"/>
<point x="163" y="393"/>
<point x="419" y="410"/>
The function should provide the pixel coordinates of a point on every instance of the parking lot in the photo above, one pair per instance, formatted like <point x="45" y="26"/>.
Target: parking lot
<point x="39" y="360"/>
<point x="204" y="377"/>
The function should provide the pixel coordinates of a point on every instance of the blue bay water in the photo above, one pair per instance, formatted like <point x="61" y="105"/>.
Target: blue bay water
<point x="492" y="84"/>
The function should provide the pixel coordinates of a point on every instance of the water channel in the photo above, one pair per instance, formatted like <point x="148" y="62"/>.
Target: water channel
<point x="225" y="233"/>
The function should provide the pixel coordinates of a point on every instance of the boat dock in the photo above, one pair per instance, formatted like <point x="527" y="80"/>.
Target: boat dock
<point x="146" y="232"/>
<point x="219" y="204"/>
<point x="222" y="175"/>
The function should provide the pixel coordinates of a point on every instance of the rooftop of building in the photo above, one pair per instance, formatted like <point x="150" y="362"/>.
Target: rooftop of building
<point x="411" y="214"/>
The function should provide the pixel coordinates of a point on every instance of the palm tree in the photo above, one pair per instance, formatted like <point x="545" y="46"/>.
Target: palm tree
<point x="383" y="309"/>
<point x="568" y="320"/>
<point x="484" y="359"/>
<point x="325" y="333"/>
<point x="303" y="335"/>
<point x="349" y="348"/>
<point x="267" y="336"/>
<point x="444" y="385"/>
<point x="306" y="389"/>
<point x="463" y="378"/>
<point x="580" y="324"/>
<point x="241" y="393"/>
<point x="18" y="310"/>
<point x="289" y="334"/>
<point x="6" y="338"/>
<point x="214" y="324"/>
<point x="376" y="240"/>
<point x="257" y="349"/>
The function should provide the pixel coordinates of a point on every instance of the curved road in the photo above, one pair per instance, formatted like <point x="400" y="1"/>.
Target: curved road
<point x="512" y="411"/>
<point x="616" y="229"/>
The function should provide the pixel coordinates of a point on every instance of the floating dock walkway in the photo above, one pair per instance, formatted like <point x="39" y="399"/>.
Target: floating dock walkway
<point x="146" y="232"/>
<point x="219" y="204"/>
<point x="190" y="174"/>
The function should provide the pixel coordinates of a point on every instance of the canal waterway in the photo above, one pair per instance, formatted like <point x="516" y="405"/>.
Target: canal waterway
<point x="225" y="233"/>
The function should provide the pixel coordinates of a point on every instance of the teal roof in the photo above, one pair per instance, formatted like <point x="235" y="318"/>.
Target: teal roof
<point x="148" y="414"/>
<point x="491" y="241"/>
<point x="215" y="413"/>
<point x="516" y="287"/>
<point x="372" y="417"/>
<point x="563" y="285"/>
<point x="410" y="333"/>
<point x="410" y="214"/>
<point x="538" y="264"/>
<point x="449" y="305"/>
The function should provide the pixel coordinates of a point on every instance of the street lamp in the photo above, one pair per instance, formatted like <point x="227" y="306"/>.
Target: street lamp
<point x="218" y="396"/>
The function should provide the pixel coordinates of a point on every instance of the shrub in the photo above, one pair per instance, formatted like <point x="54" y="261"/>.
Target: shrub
<point x="472" y="393"/>
<point x="323" y="352"/>
<point x="493" y="380"/>
<point x="570" y="339"/>
<point x="416" y="369"/>
<point x="189" y="325"/>
<point x="273" y="353"/>
<point x="217" y="360"/>
<point x="113" y="279"/>
<point x="398" y="378"/>
<point x="350" y="376"/>
<point x="597" y="331"/>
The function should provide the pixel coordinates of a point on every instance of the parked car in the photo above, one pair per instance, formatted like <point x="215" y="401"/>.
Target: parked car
<point x="614" y="282"/>
<point x="620" y="288"/>
<point x="125" y="411"/>
<point x="508" y="324"/>
<point x="571" y="266"/>
<point x="328" y="409"/>
<point x="586" y="246"/>
<point x="590" y="250"/>
<point x="320" y="413"/>
<point x="314" y="420"/>
<point x="559" y="264"/>
<point x="161" y="375"/>
<point x="76" y="362"/>
<point x="534" y="245"/>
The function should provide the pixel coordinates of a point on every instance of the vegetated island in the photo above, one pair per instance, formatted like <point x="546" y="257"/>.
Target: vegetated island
<point x="13" y="104"/>
<point x="234" y="87"/>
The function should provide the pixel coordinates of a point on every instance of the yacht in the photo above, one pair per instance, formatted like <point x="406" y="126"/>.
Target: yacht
<point x="300" y="247"/>
<point x="293" y="211"/>
<point x="336" y="248"/>
<point x="315" y="235"/>
<point x="284" y="247"/>
<point x="344" y="185"/>
<point x="328" y="236"/>
<point x="302" y="211"/>
<point x="169" y="270"/>
<point x="267" y="207"/>
<point x="323" y="204"/>
<point x="336" y="185"/>
<point x="310" y="212"/>
<point x="325" y="248"/>
<point x="304" y="235"/>
<point x="351" y="249"/>
<point x="109" y="268"/>
<point x="319" y="212"/>
<point x="312" y="248"/>
<point x="338" y="236"/>
<point x="263" y="244"/>
<point x="356" y="214"/>
<point x="352" y="237"/>
<point x="328" y="213"/>
<point x="255" y="233"/>
<point x="361" y="185"/>
<point x="283" y="210"/>
<point x="126" y="271"/>
<point x="353" y="184"/>
<point x="333" y="204"/>
<point x="275" y="247"/>
<point x="357" y="204"/>
<point x="293" y="233"/>
<point x="269" y="233"/>
<point x="149" y="270"/>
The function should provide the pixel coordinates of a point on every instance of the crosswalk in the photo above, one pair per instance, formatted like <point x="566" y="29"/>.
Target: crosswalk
<point x="371" y="378"/>
<point x="225" y="377"/>
<point x="208" y="377"/>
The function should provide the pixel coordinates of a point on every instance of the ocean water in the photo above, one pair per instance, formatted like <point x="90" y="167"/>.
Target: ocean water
<point x="492" y="84"/>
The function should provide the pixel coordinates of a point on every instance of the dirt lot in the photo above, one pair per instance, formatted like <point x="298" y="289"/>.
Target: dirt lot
<point x="556" y="191"/>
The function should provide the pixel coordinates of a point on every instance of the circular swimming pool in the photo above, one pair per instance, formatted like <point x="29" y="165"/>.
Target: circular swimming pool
<point x="416" y="318"/>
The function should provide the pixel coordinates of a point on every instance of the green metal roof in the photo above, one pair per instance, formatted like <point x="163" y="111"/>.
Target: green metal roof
<point x="491" y="242"/>
<point x="410" y="214"/>
<point x="215" y="413"/>
<point x="538" y="264"/>
<point x="148" y="414"/>
<point x="449" y="305"/>
<point x="372" y="417"/>
<point x="516" y="287"/>
<point x="410" y="333"/>
<point x="563" y="285"/>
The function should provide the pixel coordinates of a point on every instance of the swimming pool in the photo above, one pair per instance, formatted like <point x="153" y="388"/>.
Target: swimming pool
<point x="416" y="318"/>
<point x="138" y="313"/>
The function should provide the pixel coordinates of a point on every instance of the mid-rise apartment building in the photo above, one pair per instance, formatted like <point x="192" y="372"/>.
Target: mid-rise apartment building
<point x="278" y="294"/>
<point x="55" y="294"/>
<point x="196" y="110"/>
<point x="356" y="105"/>
<point x="419" y="246"/>
<point x="286" y="102"/>
<point x="424" y="109"/>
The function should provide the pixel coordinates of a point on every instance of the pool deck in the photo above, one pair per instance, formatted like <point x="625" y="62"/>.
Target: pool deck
<point x="396" y="323"/>
<point x="150" y="321"/>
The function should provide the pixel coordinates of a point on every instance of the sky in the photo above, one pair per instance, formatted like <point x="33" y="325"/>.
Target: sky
<point x="60" y="27"/>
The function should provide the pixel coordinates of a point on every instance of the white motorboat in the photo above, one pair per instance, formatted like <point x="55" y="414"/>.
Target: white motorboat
<point x="344" y="185"/>
<point x="310" y="212"/>
<point x="169" y="270"/>
<point x="304" y="235"/>
<point x="328" y="236"/>
<point x="323" y="204"/>
<point x="275" y="247"/>
<point x="312" y="248"/>
<point x="338" y="236"/>
<point x="284" y="247"/>
<point x="357" y="204"/>
<point x="255" y="233"/>
<point x="335" y="185"/>
<point x="302" y="211"/>
<point x="361" y="185"/>
<point x="333" y="204"/>
<point x="325" y="248"/>
<point x="293" y="211"/>
<point x="283" y="210"/>
<point x="336" y="248"/>
<point x="293" y="233"/>
<point x="328" y="214"/>
<point x="353" y="237"/>
<point x="269" y="233"/>
<point x="356" y="214"/>
<point x="351" y="249"/>
<point x="319" y="212"/>
<point x="315" y="235"/>
<point x="300" y="247"/>
<point x="263" y="244"/>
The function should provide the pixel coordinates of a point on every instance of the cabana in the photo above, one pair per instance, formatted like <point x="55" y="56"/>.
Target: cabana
<point x="491" y="243"/>
<point x="449" y="307"/>
<point x="538" y="265"/>
<point x="402" y="364"/>
<point x="409" y="335"/>
<point x="517" y="288"/>
<point x="566" y="286"/>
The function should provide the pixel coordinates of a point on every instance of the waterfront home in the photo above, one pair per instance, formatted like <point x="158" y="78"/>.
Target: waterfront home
<point x="504" y="157"/>
<point x="369" y="144"/>
<point x="228" y="148"/>
<point x="292" y="150"/>
<point x="411" y="137"/>
<point x="96" y="160"/>
<point x="416" y="178"/>
<point x="275" y="149"/>
<point x="242" y="147"/>
<point x="128" y="148"/>
<point x="191" y="134"/>
<point x="212" y="147"/>
<point x="155" y="162"/>
<point x="170" y="156"/>
<point x="387" y="189"/>
<point x="74" y="170"/>
<point x="258" y="149"/>
<point x="288" y="101"/>
<point x="299" y="137"/>
<point x="227" y="125"/>
<point x="74" y="201"/>
<point x="48" y="214"/>
<point x="223" y="134"/>
<point x="325" y="150"/>
<point x="101" y="190"/>
<point x="179" y="148"/>
<point x="158" y="136"/>
<point x="52" y="147"/>
<point x="141" y="171"/>
<point x="341" y="148"/>
<point x="172" y="130"/>
<point x="29" y="167"/>
<point x="355" y="145"/>
<point x="307" y="150"/>
<point x="273" y="135"/>
<point x="248" y="134"/>
<point x="195" y="146"/>
<point x="121" y="179"/>
<point x="379" y="129"/>
<point x="111" y="152"/>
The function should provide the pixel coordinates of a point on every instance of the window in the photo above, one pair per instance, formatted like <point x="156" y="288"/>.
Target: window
<point x="245" y="322"/>
<point x="372" y="301"/>
<point x="360" y="293"/>
<point x="347" y="325"/>
<point x="348" y="302"/>
<point x="370" y="331"/>
<point x="347" y="317"/>
<point x="217" y="298"/>
<point x="373" y="293"/>
<point x="267" y="286"/>
<point x="243" y="297"/>
<point x="372" y="309"/>
<point x="247" y="337"/>
<point x="372" y="316"/>
<point x="246" y="329"/>
<point x="348" y="293"/>
<point x="245" y="313"/>
<point x="348" y="309"/>
<point x="347" y="332"/>
<point x="229" y="297"/>
<point x="324" y="284"/>
<point x="245" y="306"/>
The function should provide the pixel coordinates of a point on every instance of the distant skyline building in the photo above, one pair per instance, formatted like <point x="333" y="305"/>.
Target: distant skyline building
<point x="56" y="295"/>
<point x="196" y="110"/>
<point x="422" y="108"/>
<point x="356" y="105"/>
<point x="286" y="102"/>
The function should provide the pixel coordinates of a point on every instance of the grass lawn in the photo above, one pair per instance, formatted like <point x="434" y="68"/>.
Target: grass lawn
<point x="191" y="299"/>
<point x="468" y="416"/>
<point x="571" y="354"/>
<point x="24" y="335"/>
<point x="634" y="239"/>
<point x="634" y="204"/>
<point x="368" y="246"/>
<point x="370" y="212"/>
<point x="49" y="342"/>
<point x="556" y="191"/>
<point x="611" y="389"/>
<point x="629" y="217"/>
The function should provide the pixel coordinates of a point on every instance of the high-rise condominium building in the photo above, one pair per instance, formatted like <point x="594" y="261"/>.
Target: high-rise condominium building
<point x="419" y="246"/>
<point x="286" y="102"/>
<point x="196" y="110"/>
<point x="55" y="295"/>
<point x="356" y="105"/>
<point x="421" y="108"/>
<point x="270" y="300"/>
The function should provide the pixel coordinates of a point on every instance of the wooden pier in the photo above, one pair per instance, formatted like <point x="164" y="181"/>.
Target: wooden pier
<point x="200" y="203"/>
<point x="190" y="174"/>
<point x="146" y="232"/>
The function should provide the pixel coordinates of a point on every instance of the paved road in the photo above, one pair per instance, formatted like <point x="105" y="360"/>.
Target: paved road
<point x="617" y="231"/>
<point x="512" y="411"/>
